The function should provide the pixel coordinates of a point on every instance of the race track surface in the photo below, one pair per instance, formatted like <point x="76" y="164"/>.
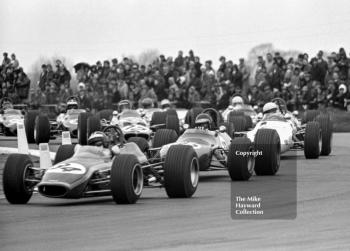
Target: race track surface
<point x="200" y="223"/>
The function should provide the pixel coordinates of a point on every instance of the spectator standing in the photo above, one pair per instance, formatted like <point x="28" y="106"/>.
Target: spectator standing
<point x="245" y="71"/>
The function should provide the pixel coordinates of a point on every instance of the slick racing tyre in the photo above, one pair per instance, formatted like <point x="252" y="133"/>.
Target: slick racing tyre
<point x="163" y="137"/>
<point x="42" y="129"/>
<point x="172" y="122"/>
<point x="105" y="114"/>
<point x="310" y="115"/>
<point x="93" y="125"/>
<point x="16" y="170"/>
<point x="142" y="143"/>
<point x="267" y="143"/>
<point x="63" y="153"/>
<point x="326" y="126"/>
<point x="240" y="167"/>
<point x="249" y="121"/>
<point x="181" y="171"/>
<point x="171" y="112"/>
<point x="191" y="116"/>
<point x="236" y="124"/>
<point x="29" y="125"/>
<point x="82" y="128"/>
<point x="312" y="140"/>
<point x="158" y="118"/>
<point x="126" y="179"/>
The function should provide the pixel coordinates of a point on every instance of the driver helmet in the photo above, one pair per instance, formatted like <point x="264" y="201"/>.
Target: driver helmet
<point x="204" y="121"/>
<point x="124" y="105"/>
<point x="147" y="103"/>
<point x="165" y="103"/>
<point x="97" y="139"/>
<point x="237" y="101"/>
<point x="270" y="108"/>
<point x="72" y="104"/>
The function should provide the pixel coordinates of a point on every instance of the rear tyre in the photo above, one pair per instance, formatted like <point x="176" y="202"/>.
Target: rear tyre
<point x="240" y="167"/>
<point x="171" y="112"/>
<point x="237" y="124"/>
<point x="249" y="121"/>
<point x="158" y="118"/>
<point x="326" y="125"/>
<point x="126" y="179"/>
<point x="191" y="116"/>
<point x="16" y="190"/>
<point x="181" y="171"/>
<point x="82" y="128"/>
<point x="267" y="143"/>
<point x="64" y="152"/>
<point x="172" y="122"/>
<point x="310" y="115"/>
<point x="163" y="137"/>
<point x="93" y="125"/>
<point x="29" y="124"/>
<point x="105" y="114"/>
<point x="142" y="143"/>
<point x="42" y="129"/>
<point x="312" y="140"/>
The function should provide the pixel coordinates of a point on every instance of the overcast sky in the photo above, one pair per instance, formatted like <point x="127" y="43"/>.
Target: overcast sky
<point x="88" y="30"/>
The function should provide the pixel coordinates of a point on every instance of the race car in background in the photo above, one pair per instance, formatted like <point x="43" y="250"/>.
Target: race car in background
<point x="10" y="116"/>
<point x="134" y="123"/>
<point x="116" y="168"/>
<point x="48" y="121"/>
<point x="216" y="150"/>
<point x="314" y="137"/>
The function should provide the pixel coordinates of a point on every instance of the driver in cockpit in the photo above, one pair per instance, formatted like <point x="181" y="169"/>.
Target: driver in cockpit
<point x="237" y="102"/>
<point x="271" y="110"/>
<point x="108" y="144"/>
<point x="204" y="121"/>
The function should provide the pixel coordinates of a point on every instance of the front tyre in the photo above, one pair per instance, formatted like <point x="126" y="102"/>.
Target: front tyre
<point x="312" y="140"/>
<point x="181" y="171"/>
<point x="268" y="147"/>
<point x="240" y="167"/>
<point x="16" y="189"/>
<point x="126" y="179"/>
<point x="42" y="129"/>
<point x="326" y="126"/>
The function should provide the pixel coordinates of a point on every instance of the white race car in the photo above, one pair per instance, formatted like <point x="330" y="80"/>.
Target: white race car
<point x="10" y="116"/>
<point x="314" y="137"/>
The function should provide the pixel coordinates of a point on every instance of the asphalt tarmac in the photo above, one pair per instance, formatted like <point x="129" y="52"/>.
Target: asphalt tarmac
<point x="203" y="222"/>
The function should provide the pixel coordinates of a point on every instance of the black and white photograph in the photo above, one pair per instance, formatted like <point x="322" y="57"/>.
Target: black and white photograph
<point x="174" y="125"/>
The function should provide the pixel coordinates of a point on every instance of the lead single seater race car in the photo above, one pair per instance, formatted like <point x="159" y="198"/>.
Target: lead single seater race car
<point x="314" y="137"/>
<point x="119" y="169"/>
<point x="216" y="150"/>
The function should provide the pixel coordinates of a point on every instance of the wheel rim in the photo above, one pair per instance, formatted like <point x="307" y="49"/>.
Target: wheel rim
<point x="137" y="179"/>
<point x="194" y="170"/>
<point x="28" y="173"/>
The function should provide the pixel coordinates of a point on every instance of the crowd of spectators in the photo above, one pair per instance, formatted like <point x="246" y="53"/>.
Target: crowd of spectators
<point x="184" y="80"/>
<point x="14" y="82"/>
